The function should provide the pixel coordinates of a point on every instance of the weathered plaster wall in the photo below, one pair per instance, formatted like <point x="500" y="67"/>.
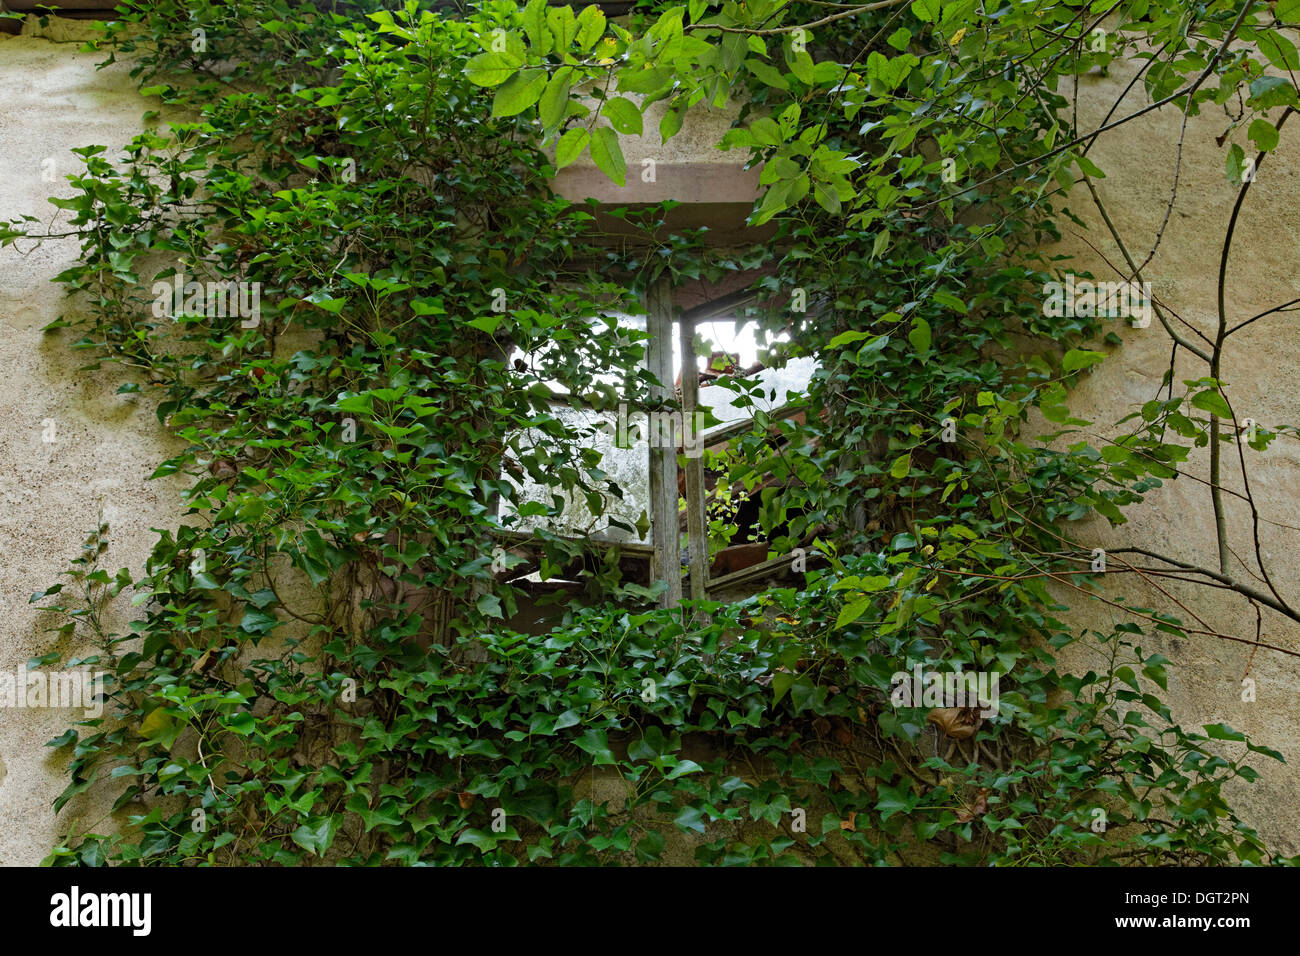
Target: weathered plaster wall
<point x="107" y="444"/>
<point x="1205" y="678"/>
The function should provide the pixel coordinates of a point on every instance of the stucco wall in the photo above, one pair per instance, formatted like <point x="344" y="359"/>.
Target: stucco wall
<point x="105" y="445"/>
<point x="1205" y="678"/>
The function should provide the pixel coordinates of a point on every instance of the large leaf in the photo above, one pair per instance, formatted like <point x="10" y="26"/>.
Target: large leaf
<point x="554" y="102"/>
<point x="622" y="115"/>
<point x="519" y="92"/>
<point x="608" y="155"/>
<point x="570" y="146"/>
<point x="491" y="69"/>
<point x="591" y="27"/>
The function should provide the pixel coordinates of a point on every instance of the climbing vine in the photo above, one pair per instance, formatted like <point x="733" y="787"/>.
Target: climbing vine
<point x="327" y="661"/>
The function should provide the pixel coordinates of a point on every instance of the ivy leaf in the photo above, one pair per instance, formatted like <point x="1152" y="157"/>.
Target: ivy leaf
<point x="608" y="155"/>
<point x="479" y="838"/>
<point x="782" y="681"/>
<point x="596" y="743"/>
<point x="1223" y="732"/>
<point x="256" y="621"/>
<point x="901" y="466"/>
<point x="67" y="737"/>
<point x="489" y="605"/>
<point x="920" y="335"/>
<point x="486" y="324"/>
<point x="650" y="846"/>
<point x="322" y="301"/>
<point x="1076" y="359"/>
<point x="892" y="800"/>
<point x="242" y="723"/>
<point x="315" y="836"/>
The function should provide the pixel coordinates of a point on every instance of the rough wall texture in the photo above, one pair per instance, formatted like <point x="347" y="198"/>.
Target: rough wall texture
<point x="107" y="444"/>
<point x="1140" y="159"/>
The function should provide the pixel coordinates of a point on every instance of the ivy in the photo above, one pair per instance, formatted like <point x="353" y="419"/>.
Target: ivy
<point x="324" y="667"/>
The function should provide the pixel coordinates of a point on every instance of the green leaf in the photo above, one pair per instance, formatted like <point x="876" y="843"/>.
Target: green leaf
<point x="67" y="737"/>
<point x="519" y="92"/>
<point x="608" y="155"/>
<point x="650" y="846"/>
<point x="481" y="839"/>
<point x="1281" y="52"/>
<point x="1076" y="359"/>
<point x="622" y="115"/>
<point x="782" y="681"/>
<point x="767" y="73"/>
<point x="316" y="836"/>
<point x="827" y="198"/>
<point x="1264" y="134"/>
<point x="489" y="605"/>
<point x="1235" y="162"/>
<point x="322" y="301"/>
<point x="881" y="243"/>
<point x="644" y="80"/>
<point x="242" y="723"/>
<point x="920" y="335"/>
<point x="852" y="335"/>
<point x="927" y="11"/>
<point x="570" y="146"/>
<point x="1211" y="401"/>
<point x="1089" y="167"/>
<point x="671" y="123"/>
<point x="951" y="301"/>
<point x="1223" y="732"/>
<point x="256" y="621"/>
<point x="892" y="800"/>
<point x="901" y="466"/>
<point x="852" y="611"/>
<point x="554" y="102"/>
<point x="596" y="743"/>
<point x="801" y="65"/>
<point x="491" y="69"/>
<point x="536" y="28"/>
<point x="766" y="132"/>
<point x="591" y="27"/>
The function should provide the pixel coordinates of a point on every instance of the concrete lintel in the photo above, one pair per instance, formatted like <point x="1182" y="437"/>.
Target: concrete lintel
<point x="685" y="182"/>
